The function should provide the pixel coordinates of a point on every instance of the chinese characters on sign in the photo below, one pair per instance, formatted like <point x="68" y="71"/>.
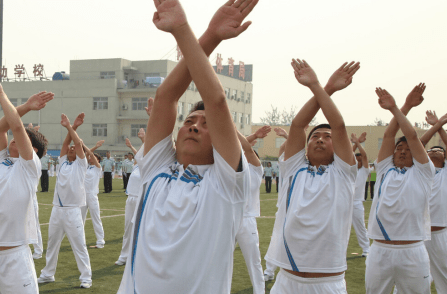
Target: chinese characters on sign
<point x="219" y="66"/>
<point x="241" y="70"/>
<point x="231" y="67"/>
<point x="20" y="73"/>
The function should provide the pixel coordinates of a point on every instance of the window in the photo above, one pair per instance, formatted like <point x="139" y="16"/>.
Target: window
<point x="107" y="75"/>
<point x="233" y="114"/>
<point x="180" y="107"/>
<point x="190" y="106"/>
<point x="134" y="129"/>
<point x="241" y="118"/>
<point x="100" y="130"/>
<point x="249" y="97"/>
<point x="380" y="142"/>
<point x="234" y="96"/>
<point x="279" y="141"/>
<point x="227" y="92"/>
<point x="242" y="95"/>
<point x="139" y="103"/>
<point x="100" y="103"/>
<point x="248" y="119"/>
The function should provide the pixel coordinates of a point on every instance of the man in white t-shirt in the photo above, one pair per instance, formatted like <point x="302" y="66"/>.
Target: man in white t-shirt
<point x="317" y="207"/>
<point x="92" y="178"/>
<point x="358" y="214"/>
<point x="399" y="220"/>
<point x="66" y="216"/>
<point x="19" y="175"/>
<point x="193" y="195"/>
<point x="247" y="236"/>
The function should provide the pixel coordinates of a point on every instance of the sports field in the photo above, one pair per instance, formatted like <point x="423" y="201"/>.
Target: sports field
<point x="107" y="276"/>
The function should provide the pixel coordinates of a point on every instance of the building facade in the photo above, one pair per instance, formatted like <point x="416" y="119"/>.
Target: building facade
<point x="113" y="93"/>
<point x="269" y="146"/>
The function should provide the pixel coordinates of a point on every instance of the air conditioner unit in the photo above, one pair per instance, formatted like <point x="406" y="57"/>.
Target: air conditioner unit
<point x="180" y="117"/>
<point x="124" y="106"/>
<point x="246" y="101"/>
<point x="238" y="99"/>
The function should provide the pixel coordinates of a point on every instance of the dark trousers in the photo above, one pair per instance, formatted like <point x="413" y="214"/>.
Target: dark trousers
<point x="366" y="190"/>
<point x="277" y="180"/>
<point x="371" y="184"/>
<point x="107" y="182"/>
<point x="44" y="181"/>
<point x="268" y="184"/>
<point x="126" y="177"/>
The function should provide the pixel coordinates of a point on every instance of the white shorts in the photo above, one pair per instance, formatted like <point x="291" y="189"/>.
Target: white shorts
<point x="287" y="283"/>
<point x="17" y="272"/>
<point x="437" y="250"/>
<point x="406" y="266"/>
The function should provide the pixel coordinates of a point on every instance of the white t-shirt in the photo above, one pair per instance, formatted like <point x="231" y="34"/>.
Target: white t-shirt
<point x="360" y="184"/>
<point x="185" y="225"/>
<point x="92" y="180"/>
<point x="18" y="185"/>
<point x="253" y="204"/>
<point x="438" y="198"/>
<point x="70" y="184"/>
<point x="317" y="221"/>
<point x="400" y="209"/>
<point x="134" y="185"/>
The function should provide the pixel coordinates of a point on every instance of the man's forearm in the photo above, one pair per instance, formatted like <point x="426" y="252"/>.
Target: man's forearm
<point x="21" y="110"/>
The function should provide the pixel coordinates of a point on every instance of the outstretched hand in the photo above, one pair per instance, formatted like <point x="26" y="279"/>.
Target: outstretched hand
<point x="342" y="77"/>
<point x="128" y="144"/>
<point x="354" y="138"/>
<point x="443" y="119"/>
<point x="415" y="97"/>
<point x="431" y="117"/>
<point x="150" y="105"/>
<point x="227" y="21"/>
<point x="386" y="101"/>
<point x="99" y="143"/>
<point x="262" y="132"/>
<point x="65" y="122"/>
<point x="141" y="134"/>
<point x="280" y="132"/>
<point x="169" y="15"/>
<point x="39" y="100"/>
<point x="362" y="137"/>
<point x="79" y="120"/>
<point x="304" y="74"/>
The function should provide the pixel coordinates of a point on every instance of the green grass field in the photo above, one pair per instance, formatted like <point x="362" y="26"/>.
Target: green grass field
<point x="107" y="276"/>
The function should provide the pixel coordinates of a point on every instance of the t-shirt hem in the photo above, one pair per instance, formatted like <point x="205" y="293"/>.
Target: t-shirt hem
<point x="18" y="243"/>
<point x="307" y="269"/>
<point x="411" y="238"/>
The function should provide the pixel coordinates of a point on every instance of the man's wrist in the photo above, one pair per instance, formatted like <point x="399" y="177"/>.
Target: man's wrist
<point x="181" y="30"/>
<point x="209" y="37"/>
<point x="329" y="90"/>
<point x="315" y="87"/>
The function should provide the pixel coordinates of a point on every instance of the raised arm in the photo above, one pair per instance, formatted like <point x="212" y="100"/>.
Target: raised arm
<point x="259" y="134"/>
<point x="66" y="144"/>
<point x="387" y="101"/>
<point x="21" y="138"/>
<point x="90" y="154"/>
<point x="225" y="24"/>
<point x="340" y="140"/>
<point x="128" y="144"/>
<point x="65" y="122"/>
<point x="388" y="144"/>
<point x="339" y="80"/>
<point x="98" y="144"/>
<point x="248" y="150"/>
<point x="436" y="124"/>
<point x="362" y="151"/>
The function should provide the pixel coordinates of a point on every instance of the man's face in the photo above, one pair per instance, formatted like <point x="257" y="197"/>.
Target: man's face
<point x="13" y="151"/>
<point x="319" y="147"/>
<point x="108" y="155"/>
<point x="125" y="157"/>
<point x="194" y="140"/>
<point x="71" y="153"/>
<point x="130" y="156"/>
<point x="436" y="154"/>
<point x="402" y="155"/>
<point x="359" y="161"/>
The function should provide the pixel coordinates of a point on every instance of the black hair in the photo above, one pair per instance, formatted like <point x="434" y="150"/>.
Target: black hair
<point x="98" y="157"/>
<point x="38" y="141"/>
<point x="440" y="147"/>
<point x="198" y="106"/>
<point x="130" y="153"/>
<point x="400" y="140"/>
<point x="320" y="126"/>
<point x="358" y="154"/>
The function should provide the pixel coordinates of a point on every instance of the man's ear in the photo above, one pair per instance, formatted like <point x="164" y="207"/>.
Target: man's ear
<point x="35" y="149"/>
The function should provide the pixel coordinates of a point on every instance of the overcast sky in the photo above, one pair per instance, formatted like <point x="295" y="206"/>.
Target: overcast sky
<point x="399" y="44"/>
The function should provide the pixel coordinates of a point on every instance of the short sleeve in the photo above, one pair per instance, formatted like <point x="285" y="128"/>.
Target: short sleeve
<point x="289" y="166"/>
<point x="82" y="162"/>
<point x="384" y="165"/>
<point x="32" y="167"/>
<point x="256" y="173"/>
<point x="344" y="168"/>
<point x="162" y="154"/>
<point x="232" y="184"/>
<point x="427" y="170"/>
<point x="3" y="155"/>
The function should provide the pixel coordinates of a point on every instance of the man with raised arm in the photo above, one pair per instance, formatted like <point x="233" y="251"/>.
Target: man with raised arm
<point x="19" y="176"/>
<point x="133" y="192"/>
<point x="91" y="182"/>
<point x="314" y="217"/>
<point x="358" y="214"/>
<point x="69" y="197"/>
<point x="399" y="219"/>
<point x="437" y="246"/>
<point x="195" y="191"/>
